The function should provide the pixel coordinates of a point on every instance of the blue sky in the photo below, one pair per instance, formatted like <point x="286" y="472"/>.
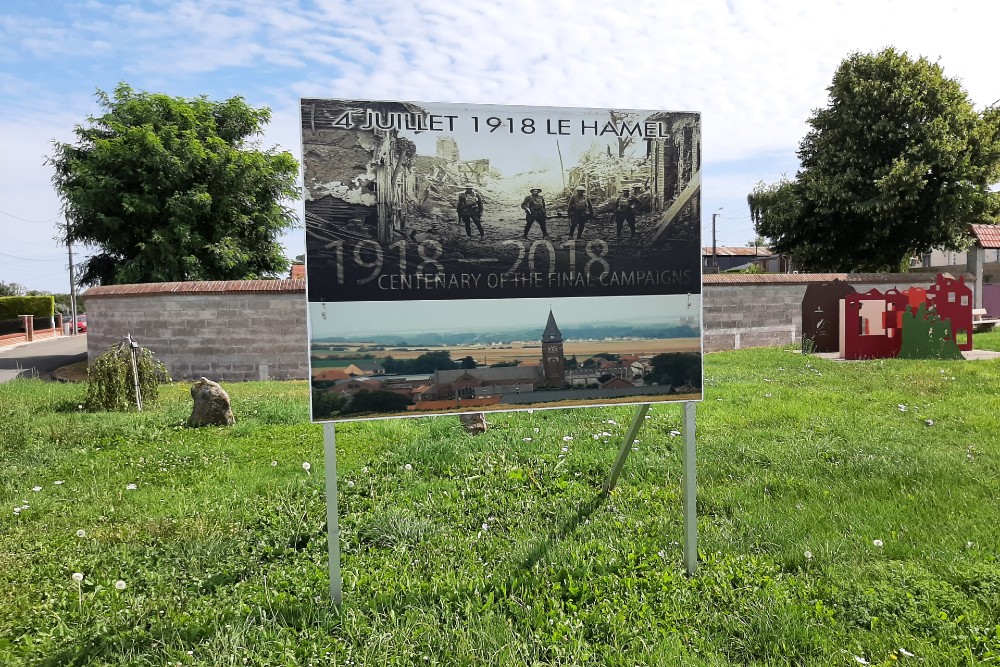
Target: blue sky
<point x="754" y="68"/>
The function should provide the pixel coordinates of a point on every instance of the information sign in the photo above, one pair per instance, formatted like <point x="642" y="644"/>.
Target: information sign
<point x="474" y="258"/>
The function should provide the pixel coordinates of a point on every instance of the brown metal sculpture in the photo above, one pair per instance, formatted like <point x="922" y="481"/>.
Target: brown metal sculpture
<point x="821" y="315"/>
<point x="917" y="323"/>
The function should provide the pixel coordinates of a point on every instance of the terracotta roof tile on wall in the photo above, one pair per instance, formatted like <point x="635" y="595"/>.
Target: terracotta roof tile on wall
<point x="198" y="287"/>
<point x="737" y="251"/>
<point x="802" y="278"/>
<point x="987" y="236"/>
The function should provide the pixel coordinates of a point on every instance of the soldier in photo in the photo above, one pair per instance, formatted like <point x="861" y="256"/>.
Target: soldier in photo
<point x="470" y="210"/>
<point x="625" y="211"/>
<point x="580" y="210"/>
<point x="534" y="211"/>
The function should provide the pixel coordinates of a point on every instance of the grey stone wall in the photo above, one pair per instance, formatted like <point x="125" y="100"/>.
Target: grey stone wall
<point x="254" y="330"/>
<point x="229" y="336"/>
<point x="751" y="315"/>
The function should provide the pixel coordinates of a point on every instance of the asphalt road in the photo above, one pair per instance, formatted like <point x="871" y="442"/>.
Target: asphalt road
<point x="41" y="358"/>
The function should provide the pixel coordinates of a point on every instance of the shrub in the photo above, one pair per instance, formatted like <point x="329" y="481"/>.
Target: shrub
<point x="111" y="385"/>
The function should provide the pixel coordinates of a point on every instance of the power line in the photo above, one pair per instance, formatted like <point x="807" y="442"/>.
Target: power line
<point x="11" y="215"/>
<point x="22" y="243"/>
<point x="29" y="259"/>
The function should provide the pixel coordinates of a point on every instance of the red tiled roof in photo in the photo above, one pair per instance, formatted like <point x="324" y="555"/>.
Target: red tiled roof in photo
<point x="198" y="287"/>
<point x="987" y="236"/>
<point x="329" y="374"/>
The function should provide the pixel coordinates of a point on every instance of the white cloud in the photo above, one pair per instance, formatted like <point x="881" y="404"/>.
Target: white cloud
<point x="755" y="68"/>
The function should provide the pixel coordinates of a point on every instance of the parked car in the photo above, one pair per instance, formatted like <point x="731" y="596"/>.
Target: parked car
<point x="81" y="323"/>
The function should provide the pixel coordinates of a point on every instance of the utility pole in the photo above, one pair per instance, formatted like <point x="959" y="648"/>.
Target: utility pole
<point x="715" y="254"/>
<point x="72" y="289"/>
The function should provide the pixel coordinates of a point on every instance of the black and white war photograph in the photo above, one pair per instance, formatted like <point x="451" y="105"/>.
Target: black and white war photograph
<point x="375" y="359"/>
<point x="447" y="201"/>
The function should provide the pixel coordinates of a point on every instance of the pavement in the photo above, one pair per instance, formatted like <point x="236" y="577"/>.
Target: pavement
<point x="980" y="355"/>
<point x="41" y="358"/>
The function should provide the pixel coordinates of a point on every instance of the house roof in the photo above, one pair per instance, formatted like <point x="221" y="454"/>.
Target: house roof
<point x="488" y="374"/>
<point x="737" y="251"/>
<point x="359" y="380"/>
<point x="987" y="236"/>
<point x="329" y="374"/>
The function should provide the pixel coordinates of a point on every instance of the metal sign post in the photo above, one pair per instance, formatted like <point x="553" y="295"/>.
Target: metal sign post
<point x="689" y="493"/>
<point x="332" y="527"/>
<point x="633" y="430"/>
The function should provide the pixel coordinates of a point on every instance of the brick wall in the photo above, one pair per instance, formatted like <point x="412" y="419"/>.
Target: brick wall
<point x="227" y="330"/>
<point x="256" y="329"/>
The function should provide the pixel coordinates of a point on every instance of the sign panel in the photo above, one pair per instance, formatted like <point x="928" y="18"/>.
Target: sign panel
<point x="468" y="258"/>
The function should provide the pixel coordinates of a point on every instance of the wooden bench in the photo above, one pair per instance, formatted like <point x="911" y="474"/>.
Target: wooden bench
<point x="980" y="324"/>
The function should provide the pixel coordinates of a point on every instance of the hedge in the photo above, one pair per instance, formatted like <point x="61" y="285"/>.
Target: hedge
<point x="39" y="306"/>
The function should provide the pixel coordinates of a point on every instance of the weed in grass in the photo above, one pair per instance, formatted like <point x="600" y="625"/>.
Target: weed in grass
<point x="395" y="529"/>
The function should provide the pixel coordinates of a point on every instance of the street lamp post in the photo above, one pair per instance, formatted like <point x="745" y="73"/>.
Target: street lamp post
<point x="74" y="330"/>
<point x="715" y="254"/>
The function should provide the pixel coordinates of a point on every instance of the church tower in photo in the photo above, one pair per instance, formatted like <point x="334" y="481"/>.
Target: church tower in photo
<point x="553" y="359"/>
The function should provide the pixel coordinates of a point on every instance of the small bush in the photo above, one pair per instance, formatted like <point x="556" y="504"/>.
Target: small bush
<point x="110" y="383"/>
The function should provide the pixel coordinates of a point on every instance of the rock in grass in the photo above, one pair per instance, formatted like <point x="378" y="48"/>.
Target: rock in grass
<point x="474" y="422"/>
<point x="211" y="405"/>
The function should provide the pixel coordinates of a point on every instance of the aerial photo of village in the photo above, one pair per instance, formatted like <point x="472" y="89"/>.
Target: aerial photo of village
<point x="373" y="359"/>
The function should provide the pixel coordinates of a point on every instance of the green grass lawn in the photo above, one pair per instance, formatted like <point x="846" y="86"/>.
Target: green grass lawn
<point x="848" y="512"/>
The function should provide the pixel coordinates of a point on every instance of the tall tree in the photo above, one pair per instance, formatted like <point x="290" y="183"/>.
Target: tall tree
<point x="11" y="289"/>
<point x="897" y="163"/>
<point x="173" y="189"/>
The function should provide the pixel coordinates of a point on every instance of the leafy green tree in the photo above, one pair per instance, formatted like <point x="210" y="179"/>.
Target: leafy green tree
<point x="468" y="362"/>
<point x="896" y="164"/>
<point x="325" y="404"/>
<point x="172" y="189"/>
<point x="375" y="401"/>
<point x="11" y="289"/>
<point x="506" y="364"/>
<point x="676" y="368"/>
<point x="428" y="362"/>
